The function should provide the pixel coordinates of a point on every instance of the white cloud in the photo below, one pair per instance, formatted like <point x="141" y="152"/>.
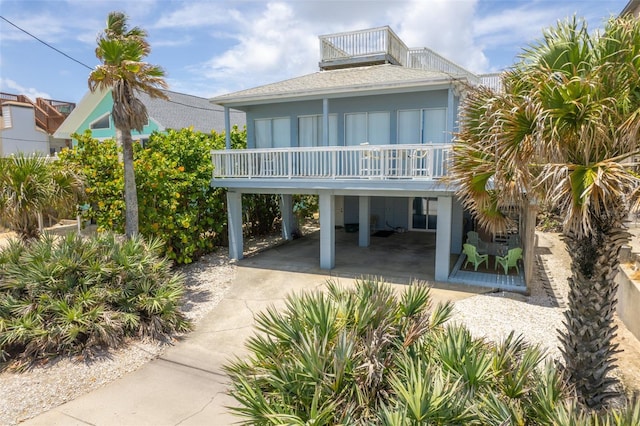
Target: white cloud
<point x="181" y="41"/>
<point x="270" y="46"/>
<point x="10" y="86"/>
<point x="521" y="26"/>
<point x="445" y="27"/>
<point x="46" y="27"/>
<point x="195" y="14"/>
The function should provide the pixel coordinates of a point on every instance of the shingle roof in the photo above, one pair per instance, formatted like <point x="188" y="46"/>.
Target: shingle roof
<point x="340" y="81"/>
<point x="184" y="110"/>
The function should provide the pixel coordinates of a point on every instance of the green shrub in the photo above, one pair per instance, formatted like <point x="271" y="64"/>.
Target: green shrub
<point x="175" y="199"/>
<point x="67" y="295"/>
<point x="364" y="356"/>
<point x="261" y="214"/>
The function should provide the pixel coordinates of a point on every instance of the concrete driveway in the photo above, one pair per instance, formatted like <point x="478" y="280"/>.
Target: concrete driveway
<point x="186" y="385"/>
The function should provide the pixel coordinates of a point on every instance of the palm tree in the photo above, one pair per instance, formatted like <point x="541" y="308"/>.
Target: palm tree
<point x="123" y="71"/>
<point x="31" y="184"/>
<point x="565" y="132"/>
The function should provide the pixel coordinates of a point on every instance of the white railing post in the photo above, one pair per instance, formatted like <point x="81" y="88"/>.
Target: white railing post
<point x="334" y="168"/>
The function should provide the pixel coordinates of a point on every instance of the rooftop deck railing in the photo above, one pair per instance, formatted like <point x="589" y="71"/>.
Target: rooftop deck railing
<point x="427" y="59"/>
<point x="492" y="81"/>
<point x="358" y="44"/>
<point x="415" y="162"/>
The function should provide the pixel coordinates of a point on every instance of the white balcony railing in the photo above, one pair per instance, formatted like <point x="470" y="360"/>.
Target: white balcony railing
<point x="415" y="162"/>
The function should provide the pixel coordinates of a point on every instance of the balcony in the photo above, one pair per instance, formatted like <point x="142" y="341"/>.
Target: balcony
<point x="359" y="48"/>
<point x="49" y="114"/>
<point x="379" y="165"/>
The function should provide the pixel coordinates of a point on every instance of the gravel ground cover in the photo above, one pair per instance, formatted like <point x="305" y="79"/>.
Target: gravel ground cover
<point x="537" y="316"/>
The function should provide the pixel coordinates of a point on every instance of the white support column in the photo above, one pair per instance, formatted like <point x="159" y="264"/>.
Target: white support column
<point x="227" y="128"/>
<point x="234" y="224"/>
<point x="364" y="222"/>
<point x="327" y="230"/>
<point x="288" y="219"/>
<point x="443" y="239"/>
<point x="325" y="122"/>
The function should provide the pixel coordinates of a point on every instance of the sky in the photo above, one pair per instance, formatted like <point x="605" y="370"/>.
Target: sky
<point x="209" y="48"/>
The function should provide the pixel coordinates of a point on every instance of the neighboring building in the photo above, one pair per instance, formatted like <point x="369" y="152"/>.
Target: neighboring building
<point x="370" y="133"/>
<point x="28" y="126"/>
<point x="180" y="111"/>
<point x="632" y="8"/>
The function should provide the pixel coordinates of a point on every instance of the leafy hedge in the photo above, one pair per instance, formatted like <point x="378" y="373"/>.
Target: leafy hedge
<point x="67" y="295"/>
<point x="175" y="199"/>
<point x="364" y="356"/>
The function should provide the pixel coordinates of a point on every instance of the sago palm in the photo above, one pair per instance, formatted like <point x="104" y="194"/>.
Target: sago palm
<point x="564" y="132"/>
<point x="124" y="72"/>
<point x="31" y="184"/>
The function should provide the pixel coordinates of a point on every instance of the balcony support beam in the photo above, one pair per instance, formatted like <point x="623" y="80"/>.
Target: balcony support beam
<point x="364" y="212"/>
<point x="325" y="122"/>
<point x="227" y="128"/>
<point x="234" y="224"/>
<point x="327" y="230"/>
<point x="288" y="218"/>
<point x="443" y="239"/>
<point x="450" y="114"/>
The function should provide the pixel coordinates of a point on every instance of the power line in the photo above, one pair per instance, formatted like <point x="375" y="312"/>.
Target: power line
<point x="45" y="43"/>
<point x="203" y="108"/>
<point x="88" y="67"/>
<point x="22" y="140"/>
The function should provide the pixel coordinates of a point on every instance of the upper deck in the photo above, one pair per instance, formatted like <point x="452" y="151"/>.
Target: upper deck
<point x="388" y="167"/>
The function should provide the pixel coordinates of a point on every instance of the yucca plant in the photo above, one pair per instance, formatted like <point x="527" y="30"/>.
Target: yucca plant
<point x="31" y="184"/>
<point x="363" y="356"/>
<point x="330" y="353"/>
<point x="68" y="295"/>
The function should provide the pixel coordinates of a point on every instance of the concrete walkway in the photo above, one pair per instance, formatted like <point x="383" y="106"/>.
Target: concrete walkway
<point x="186" y="385"/>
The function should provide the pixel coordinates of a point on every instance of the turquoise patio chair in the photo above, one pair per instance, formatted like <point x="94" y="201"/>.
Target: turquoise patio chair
<point x="474" y="257"/>
<point x="510" y="260"/>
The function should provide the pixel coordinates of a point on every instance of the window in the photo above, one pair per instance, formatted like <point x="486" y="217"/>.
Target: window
<point x="273" y="132"/>
<point x="423" y="214"/>
<point x="422" y="126"/>
<point x="6" y="117"/>
<point x="311" y="130"/>
<point x="369" y="127"/>
<point x="101" y="123"/>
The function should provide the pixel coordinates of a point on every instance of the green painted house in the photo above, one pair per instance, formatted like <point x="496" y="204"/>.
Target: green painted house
<point x="93" y="113"/>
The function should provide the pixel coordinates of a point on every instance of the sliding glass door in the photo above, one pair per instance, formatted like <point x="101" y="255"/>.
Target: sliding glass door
<point x="423" y="214"/>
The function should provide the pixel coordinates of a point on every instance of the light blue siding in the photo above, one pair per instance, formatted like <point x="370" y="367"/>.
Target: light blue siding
<point x="341" y="106"/>
<point x="388" y="211"/>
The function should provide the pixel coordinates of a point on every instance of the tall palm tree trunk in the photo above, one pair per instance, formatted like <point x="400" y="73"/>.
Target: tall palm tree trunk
<point x="587" y="343"/>
<point x="130" y="191"/>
